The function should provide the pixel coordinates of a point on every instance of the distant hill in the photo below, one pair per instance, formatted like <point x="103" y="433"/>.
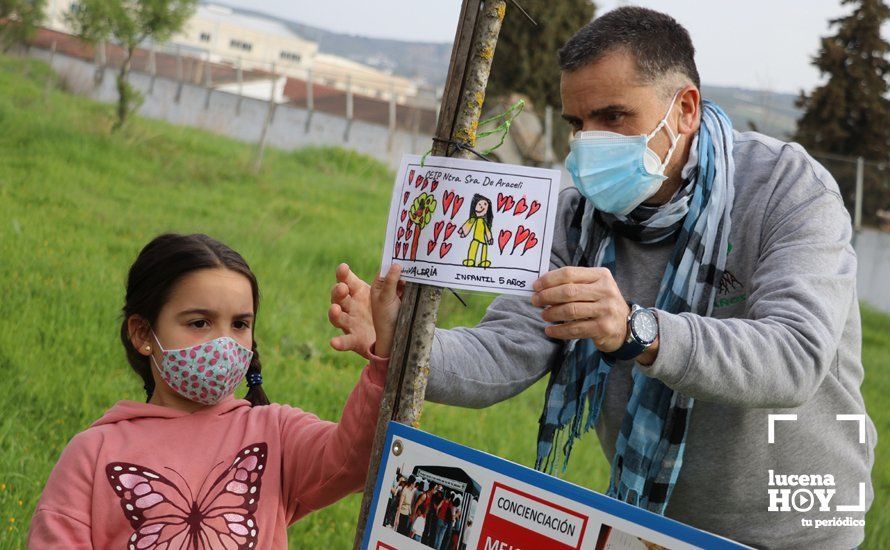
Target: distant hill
<point x="771" y="113"/>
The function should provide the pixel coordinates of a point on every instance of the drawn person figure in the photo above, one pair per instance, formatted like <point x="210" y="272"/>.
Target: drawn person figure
<point x="479" y="226"/>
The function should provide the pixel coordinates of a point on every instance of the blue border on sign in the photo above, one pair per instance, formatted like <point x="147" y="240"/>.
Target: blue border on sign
<point x="608" y="505"/>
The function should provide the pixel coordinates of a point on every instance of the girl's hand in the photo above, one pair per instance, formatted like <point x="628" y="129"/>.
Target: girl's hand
<point x="386" y="297"/>
<point x="350" y="312"/>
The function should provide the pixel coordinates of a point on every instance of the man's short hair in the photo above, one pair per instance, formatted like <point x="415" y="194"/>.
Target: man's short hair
<point x="660" y="45"/>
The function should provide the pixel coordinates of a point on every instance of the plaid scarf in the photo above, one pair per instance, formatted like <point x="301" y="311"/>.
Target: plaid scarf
<point x="650" y="444"/>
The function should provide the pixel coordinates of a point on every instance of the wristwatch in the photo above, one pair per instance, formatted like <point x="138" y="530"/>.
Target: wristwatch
<point x="642" y="330"/>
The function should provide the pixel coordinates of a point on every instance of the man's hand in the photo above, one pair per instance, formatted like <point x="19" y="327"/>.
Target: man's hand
<point x="586" y="303"/>
<point x="350" y="312"/>
<point x="386" y="297"/>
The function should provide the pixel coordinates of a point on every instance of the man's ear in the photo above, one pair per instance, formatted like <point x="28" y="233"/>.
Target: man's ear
<point x="140" y="335"/>
<point x="689" y="102"/>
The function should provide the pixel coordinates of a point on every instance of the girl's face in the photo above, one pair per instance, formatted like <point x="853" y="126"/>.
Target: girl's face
<point x="482" y="208"/>
<point x="205" y="305"/>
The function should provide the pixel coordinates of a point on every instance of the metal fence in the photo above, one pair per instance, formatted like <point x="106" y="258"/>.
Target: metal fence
<point x="864" y="186"/>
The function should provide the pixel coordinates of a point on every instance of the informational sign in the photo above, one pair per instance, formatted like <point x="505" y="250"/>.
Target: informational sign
<point x="432" y="493"/>
<point x="470" y="224"/>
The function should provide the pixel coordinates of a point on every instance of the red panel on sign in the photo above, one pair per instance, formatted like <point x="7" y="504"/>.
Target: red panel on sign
<point x="548" y="525"/>
<point x="381" y="546"/>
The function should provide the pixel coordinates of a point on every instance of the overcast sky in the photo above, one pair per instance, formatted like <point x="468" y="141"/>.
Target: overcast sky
<point x="762" y="44"/>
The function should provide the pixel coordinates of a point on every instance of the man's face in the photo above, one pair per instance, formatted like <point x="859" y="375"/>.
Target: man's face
<point x="608" y="95"/>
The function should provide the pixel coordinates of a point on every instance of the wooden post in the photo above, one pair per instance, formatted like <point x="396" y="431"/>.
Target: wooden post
<point x="152" y="68"/>
<point x="350" y="107"/>
<point x="179" y="75"/>
<point x="471" y="56"/>
<point x="239" y="73"/>
<point x="310" y="100"/>
<point x="270" y="116"/>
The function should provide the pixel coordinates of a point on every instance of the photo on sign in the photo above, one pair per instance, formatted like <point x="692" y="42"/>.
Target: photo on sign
<point x="434" y="506"/>
<point x="611" y="538"/>
<point x="471" y="224"/>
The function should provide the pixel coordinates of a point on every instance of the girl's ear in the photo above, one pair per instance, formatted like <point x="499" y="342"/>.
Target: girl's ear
<point x="140" y="334"/>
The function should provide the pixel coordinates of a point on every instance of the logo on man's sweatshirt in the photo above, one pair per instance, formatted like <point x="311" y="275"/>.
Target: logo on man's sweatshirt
<point x="730" y="290"/>
<point x="812" y="491"/>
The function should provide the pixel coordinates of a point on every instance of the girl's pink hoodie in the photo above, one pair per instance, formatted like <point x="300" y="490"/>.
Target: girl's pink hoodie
<point x="228" y="476"/>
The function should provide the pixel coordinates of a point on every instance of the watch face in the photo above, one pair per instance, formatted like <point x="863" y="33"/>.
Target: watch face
<point x="644" y="326"/>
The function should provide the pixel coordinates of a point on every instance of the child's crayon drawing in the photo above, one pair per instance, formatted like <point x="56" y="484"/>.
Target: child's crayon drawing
<point x="471" y="224"/>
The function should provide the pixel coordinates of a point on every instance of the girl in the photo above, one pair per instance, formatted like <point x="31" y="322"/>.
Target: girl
<point x="479" y="226"/>
<point x="194" y="467"/>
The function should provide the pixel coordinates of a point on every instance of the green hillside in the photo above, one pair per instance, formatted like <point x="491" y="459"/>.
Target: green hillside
<point x="76" y="206"/>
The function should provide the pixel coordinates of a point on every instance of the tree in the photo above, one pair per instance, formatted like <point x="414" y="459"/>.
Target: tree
<point x="420" y="214"/>
<point x="18" y="19"/>
<point x="850" y="114"/>
<point x="129" y="23"/>
<point x="525" y="59"/>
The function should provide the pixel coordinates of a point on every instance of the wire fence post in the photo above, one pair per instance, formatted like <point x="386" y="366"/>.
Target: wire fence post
<point x="270" y="115"/>
<point x="51" y="75"/>
<point x="152" y="68"/>
<point x="99" y="74"/>
<point x="310" y="100"/>
<point x="477" y="32"/>
<point x="208" y="81"/>
<point x="392" y="119"/>
<point x="179" y="74"/>
<point x="857" y="210"/>
<point x="239" y="75"/>
<point x="350" y="107"/>
<point x="548" y="135"/>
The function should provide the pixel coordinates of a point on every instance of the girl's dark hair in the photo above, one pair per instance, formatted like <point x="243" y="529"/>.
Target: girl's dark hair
<point x="157" y="269"/>
<point x="489" y="216"/>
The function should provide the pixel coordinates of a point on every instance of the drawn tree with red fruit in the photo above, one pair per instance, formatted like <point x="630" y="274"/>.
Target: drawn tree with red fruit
<point x="420" y="214"/>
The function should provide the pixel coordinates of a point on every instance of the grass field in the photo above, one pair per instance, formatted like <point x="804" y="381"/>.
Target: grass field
<point x="77" y="204"/>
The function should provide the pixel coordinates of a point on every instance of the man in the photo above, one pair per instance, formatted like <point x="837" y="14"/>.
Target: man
<point x="701" y="280"/>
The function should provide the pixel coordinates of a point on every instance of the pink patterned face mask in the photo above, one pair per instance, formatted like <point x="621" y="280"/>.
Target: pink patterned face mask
<point x="207" y="372"/>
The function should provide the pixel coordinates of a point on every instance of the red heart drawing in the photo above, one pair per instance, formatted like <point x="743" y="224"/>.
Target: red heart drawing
<point x="410" y="177"/>
<point x="405" y="198"/>
<point x="502" y="200"/>
<point x="444" y="249"/>
<point x="530" y="243"/>
<point x="405" y="250"/>
<point x="521" y="235"/>
<point x="437" y="229"/>
<point x="433" y="185"/>
<point x="446" y="200"/>
<point x="430" y="247"/>
<point x="449" y="229"/>
<point x="404" y="213"/>
<point x="508" y="203"/>
<point x="401" y="233"/>
<point x="418" y="181"/>
<point x="504" y="238"/>
<point x="535" y="206"/>
<point x="410" y="232"/>
<point x="520" y="207"/>
<point x="458" y="201"/>
<point x="398" y="246"/>
<point x="425" y="181"/>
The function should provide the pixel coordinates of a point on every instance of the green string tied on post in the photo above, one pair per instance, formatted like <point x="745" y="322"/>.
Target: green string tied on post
<point x="503" y="128"/>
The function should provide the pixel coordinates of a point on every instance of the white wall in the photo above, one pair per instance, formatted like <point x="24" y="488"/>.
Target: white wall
<point x="288" y="130"/>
